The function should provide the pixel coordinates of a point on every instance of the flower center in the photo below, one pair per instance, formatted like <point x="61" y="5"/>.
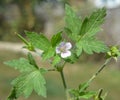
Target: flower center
<point x="63" y="49"/>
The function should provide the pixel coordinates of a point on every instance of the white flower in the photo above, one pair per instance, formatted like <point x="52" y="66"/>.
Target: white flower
<point x="107" y="3"/>
<point x="63" y="49"/>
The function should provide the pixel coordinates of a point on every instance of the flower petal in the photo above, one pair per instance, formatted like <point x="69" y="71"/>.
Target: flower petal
<point x="62" y="44"/>
<point x="65" y="54"/>
<point x="58" y="50"/>
<point x="68" y="45"/>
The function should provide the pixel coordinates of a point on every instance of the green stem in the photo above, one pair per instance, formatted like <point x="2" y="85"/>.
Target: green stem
<point x="23" y="39"/>
<point x="60" y="69"/>
<point x="63" y="79"/>
<point x="65" y="85"/>
<point x="99" y="70"/>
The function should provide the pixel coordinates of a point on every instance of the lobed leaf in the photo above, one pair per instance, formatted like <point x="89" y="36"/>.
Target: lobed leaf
<point x="22" y="64"/>
<point x="38" y="40"/>
<point x="82" y="92"/>
<point x="32" y="60"/>
<point x="49" y="53"/>
<point x="28" y="82"/>
<point x="92" y="24"/>
<point x="83" y="87"/>
<point x="90" y="45"/>
<point x="56" y="39"/>
<point x="73" y="22"/>
<point x="56" y="60"/>
<point x="87" y="95"/>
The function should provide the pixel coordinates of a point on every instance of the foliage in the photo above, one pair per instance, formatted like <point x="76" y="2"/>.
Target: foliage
<point x="83" y="36"/>
<point x="31" y="78"/>
<point x="83" y="32"/>
<point x="81" y="92"/>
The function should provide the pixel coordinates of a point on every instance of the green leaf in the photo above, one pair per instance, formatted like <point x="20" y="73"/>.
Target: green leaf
<point x="73" y="22"/>
<point x="21" y="64"/>
<point x="83" y="87"/>
<point x="56" y="39"/>
<point x="38" y="40"/>
<point x="32" y="60"/>
<point x="92" y="24"/>
<point x="12" y="96"/>
<point x="83" y="27"/>
<point x="48" y="54"/>
<point x="84" y="34"/>
<point x="22" y="86"/>
<point x="82" y="92"/>
<point x="87" y="95"/>
<point x="39" y="84"/>
<point x="28" y="82"/>
<point x="90" y="45"/>
<point x="67" y="30"/>
<point x="79" y="49"/>
<point x="56" y="60"/>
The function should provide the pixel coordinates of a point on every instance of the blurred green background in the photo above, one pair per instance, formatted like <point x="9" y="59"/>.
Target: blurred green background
<point x="47" y="16"/>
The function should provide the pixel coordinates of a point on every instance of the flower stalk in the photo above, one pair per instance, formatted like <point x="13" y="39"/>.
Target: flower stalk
<point x="63" y="79"/>
<point x="65" y="85"/>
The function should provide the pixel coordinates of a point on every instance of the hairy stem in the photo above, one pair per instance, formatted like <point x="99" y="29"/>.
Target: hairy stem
<point x="99" y="70"/>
